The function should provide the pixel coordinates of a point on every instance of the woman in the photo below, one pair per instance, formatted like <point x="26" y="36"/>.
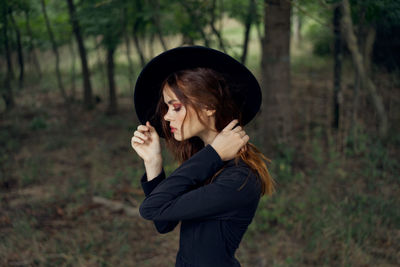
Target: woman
<point x="193" y="97"/>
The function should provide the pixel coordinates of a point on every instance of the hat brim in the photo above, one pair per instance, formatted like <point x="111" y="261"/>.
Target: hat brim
<point x="244" y="87"/>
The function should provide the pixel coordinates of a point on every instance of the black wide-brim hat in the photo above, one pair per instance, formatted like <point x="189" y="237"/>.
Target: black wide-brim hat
<point x="244" y="88"/>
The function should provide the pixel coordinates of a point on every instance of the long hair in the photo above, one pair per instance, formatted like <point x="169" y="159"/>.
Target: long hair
<point x="205" y="88"/>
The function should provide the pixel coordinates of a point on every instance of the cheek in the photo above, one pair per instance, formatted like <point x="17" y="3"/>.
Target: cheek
<point x="181" y="117"/>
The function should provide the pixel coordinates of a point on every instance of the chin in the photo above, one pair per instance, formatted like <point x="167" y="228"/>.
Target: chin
<point x="179" y="138"/>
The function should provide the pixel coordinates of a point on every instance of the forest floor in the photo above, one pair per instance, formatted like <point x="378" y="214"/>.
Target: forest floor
<point x="334" y="206"/>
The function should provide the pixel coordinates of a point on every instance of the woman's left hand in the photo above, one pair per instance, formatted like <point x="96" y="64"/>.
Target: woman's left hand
<point x="229" y="141"/>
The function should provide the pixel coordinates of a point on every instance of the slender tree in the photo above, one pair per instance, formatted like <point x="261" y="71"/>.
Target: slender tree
<point x="105" y="20"/>
<point x="7" y="92"/>
<point x="337" y="71"/>
<point x="297" y="25"/>
<point x="31" y="47"/>
<point x="73" y="72"/>
<point x="157" y="22"/>
<point x="136" y="29"/>
<point x="197" y="18"/>
<point x="358" y="61"/>
<point x="214" y="29"/>
<point x="55" y="51"/>
<point x="248" y="23"/>
<point x="19" y="51"/>
<point x="87" y="87"/>
<point x="128" y="50"/>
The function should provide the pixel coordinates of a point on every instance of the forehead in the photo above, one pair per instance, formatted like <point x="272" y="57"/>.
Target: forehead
<point x="168" y="94"/>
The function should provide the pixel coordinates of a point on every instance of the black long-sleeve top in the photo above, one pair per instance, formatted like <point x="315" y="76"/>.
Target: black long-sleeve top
<point x="214" y="217"/>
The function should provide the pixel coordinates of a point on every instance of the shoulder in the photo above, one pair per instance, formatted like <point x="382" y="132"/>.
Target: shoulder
<point x="239" y="166"/>
<point x="240" y="175"/>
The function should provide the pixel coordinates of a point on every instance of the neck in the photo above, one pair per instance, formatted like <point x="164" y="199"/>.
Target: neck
<point x="208" y="137"/>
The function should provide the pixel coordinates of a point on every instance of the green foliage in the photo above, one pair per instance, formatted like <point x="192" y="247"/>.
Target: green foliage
<point x="9" y="143"/>
<point x="38" y="123"/>
<point x="239" y="10"/>
<point x="282" y="163"/>
<point x="320" y="37"/>
<point x="371" y="12"/>
<point x="103" y="19"/>
<point x="34" y="170"/>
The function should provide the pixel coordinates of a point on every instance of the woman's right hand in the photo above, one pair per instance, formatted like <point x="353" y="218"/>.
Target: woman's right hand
<point x="146" y="143"/>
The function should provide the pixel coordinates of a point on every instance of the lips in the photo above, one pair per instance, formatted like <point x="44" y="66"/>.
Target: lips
<point x="173" y="129"/>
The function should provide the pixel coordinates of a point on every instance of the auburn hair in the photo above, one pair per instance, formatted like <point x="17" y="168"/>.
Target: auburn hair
<point x="206" y="88"/>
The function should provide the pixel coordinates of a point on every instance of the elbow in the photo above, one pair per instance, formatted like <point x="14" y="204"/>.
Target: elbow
<point x="163" y="229"/>
<point x="145" y="211"/>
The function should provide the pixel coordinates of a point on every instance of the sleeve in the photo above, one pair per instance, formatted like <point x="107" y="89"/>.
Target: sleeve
<point x="175" y="199"/>
<point x="148" y="186"/>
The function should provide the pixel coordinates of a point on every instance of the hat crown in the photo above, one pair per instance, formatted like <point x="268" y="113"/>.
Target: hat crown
<point x="244" y="88"/>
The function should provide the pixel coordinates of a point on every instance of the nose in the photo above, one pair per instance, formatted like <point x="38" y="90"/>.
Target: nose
<point x="167" y="116"/>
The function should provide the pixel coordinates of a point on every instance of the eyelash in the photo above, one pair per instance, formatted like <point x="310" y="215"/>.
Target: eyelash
<point x="176" y="109"/>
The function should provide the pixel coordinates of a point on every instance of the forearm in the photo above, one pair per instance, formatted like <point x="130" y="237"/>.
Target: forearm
<point x="160" y="205"/>
<point x="153" y="168"/>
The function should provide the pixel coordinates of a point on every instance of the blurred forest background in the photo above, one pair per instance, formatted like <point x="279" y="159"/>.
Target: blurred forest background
<point x="69" y="179"/>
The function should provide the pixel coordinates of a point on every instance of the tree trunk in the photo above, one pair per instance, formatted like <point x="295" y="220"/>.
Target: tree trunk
<point x="195" y="22"/>
<point x="131" y="72"/>
<point x="187" y="40"/>
<point x="19" y="52"/>
<point x="87" y="87"/>
<point x="135" y="34"/>
<point x="31" y="46"/>
<point x="297" y="27"/>
<point x="7" y="92"/>
<point x="112" y="107"/>
<point x="276" y="74"/>
<point x="156" y="19"/>
<point x="55" y="51"/>
<point x="128" y="53"/>
<point x="73" y="74"/>
<point x="137" y="44"/>
<point x="151" y="45"/>
<point x="214" y="29"/>
<point x="249" y="20"/>
<point x="358" y="61"/>
<point x="337" y="67"/>
<point x="368" y="48"/>
<point x="100" y="64"/>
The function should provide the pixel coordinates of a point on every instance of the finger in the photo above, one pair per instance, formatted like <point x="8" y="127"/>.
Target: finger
<point x="237" y="129"/>
<point x="242" y="133"/>
<point x="142" y="128"/>
<point x="246" y="138"/>
<point x="139" y="134"/>
<point x="230" y="125"/>
<point x="150" y="127"/>
<point x="152" y="130"/>
<point x="136" y="139"/>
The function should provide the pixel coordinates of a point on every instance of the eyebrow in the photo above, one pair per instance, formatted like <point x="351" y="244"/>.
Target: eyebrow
<point x="173" y="100"/>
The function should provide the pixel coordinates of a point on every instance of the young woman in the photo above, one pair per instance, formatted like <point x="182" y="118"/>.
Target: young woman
<point x="194" y="97"/>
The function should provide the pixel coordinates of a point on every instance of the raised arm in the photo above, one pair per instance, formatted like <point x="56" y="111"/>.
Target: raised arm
<point x="175" y="199"/>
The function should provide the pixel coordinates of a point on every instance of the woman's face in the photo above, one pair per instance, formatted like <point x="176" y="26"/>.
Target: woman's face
<point x="176" y="118"/>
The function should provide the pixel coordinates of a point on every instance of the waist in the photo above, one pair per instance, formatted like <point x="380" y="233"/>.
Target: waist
<point x="186" y="261"/>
